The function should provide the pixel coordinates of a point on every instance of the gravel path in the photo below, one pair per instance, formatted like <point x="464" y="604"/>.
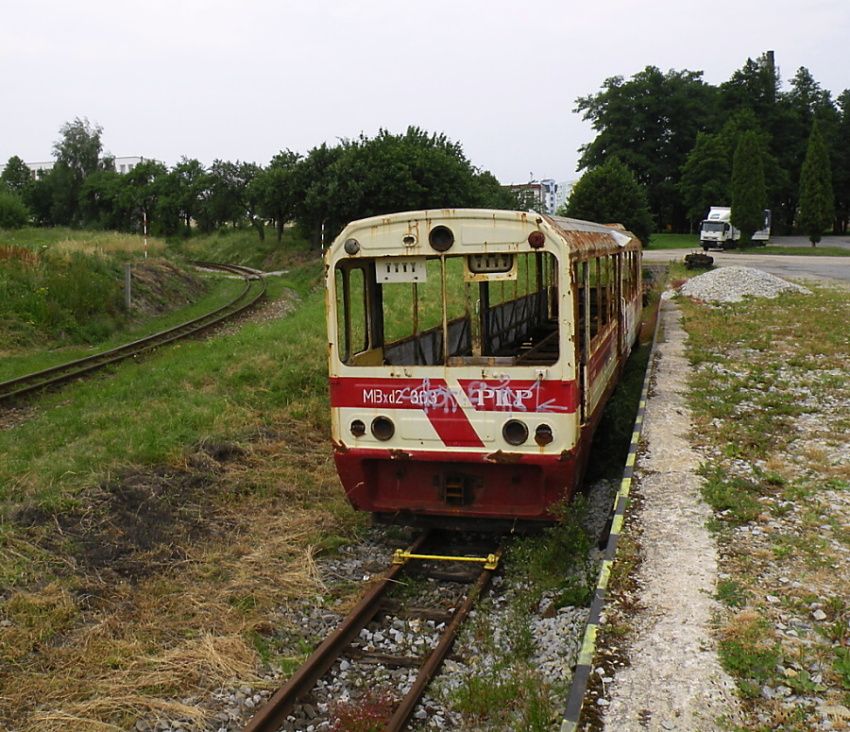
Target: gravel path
<point x="675" y="681"/>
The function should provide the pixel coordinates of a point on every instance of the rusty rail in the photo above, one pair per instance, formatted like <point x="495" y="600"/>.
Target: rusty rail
<point x="22" y="386"/>
<point x="273" y="714"/>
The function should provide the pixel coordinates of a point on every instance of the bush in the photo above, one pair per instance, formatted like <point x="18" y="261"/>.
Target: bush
<point x="74" y="296"/>
<point x="13" y="212"/>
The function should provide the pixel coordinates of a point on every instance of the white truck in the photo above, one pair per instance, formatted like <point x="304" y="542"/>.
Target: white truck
<point x="717" y="230"/>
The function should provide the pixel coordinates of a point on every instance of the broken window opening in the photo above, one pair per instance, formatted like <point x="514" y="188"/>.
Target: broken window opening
<point x="451" y="313"/>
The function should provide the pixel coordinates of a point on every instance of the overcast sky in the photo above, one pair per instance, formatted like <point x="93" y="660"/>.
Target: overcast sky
<point x="242" y="80"/>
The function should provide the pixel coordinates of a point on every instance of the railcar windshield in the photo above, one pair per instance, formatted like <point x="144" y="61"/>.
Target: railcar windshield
<point x="485" y="308"/>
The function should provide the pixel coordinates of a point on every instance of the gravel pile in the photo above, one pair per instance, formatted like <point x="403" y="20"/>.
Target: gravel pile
<point x="733" y="284"/>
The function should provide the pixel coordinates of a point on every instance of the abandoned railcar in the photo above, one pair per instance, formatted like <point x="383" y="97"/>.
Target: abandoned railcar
<point x="470" y="355"/>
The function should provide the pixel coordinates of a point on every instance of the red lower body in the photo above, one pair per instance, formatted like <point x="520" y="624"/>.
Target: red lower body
<point x="459" y="485"/>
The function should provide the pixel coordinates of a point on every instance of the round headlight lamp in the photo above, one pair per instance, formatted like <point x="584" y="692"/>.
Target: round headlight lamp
<point x="383" y="428"/>
<point x="515" y="432"/>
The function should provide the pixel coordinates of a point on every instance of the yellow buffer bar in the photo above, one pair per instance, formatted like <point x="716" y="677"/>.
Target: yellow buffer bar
<point x="491" y="561"/>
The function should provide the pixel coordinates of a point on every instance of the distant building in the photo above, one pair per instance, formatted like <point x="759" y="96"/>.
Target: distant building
<point x="565" y="188"/>
<point x="543" y="195"/>
<point x="126" y="164"/>
<point x="120" y="165"/>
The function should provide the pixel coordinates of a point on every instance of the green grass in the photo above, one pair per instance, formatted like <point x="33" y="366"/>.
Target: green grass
<point x="818" y="251"/>
<point x="768" y="391"/>
<point x="691" y="241"/>
<point x="243" y="246"/>
<point x="674" y="241"/>
<point x="34" y="359"/>
<point x="146" y="412"/>
<point x="84" y="240"/>
<point x="749" y="653"/>
<point x="731" y="593"/>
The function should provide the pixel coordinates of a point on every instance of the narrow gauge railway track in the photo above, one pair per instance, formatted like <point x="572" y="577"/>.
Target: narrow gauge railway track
<point x="254" y="289"/>
<point x="344" y="645"/>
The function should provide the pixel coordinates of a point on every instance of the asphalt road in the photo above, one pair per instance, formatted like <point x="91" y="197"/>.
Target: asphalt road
<point x="790" y="267"/>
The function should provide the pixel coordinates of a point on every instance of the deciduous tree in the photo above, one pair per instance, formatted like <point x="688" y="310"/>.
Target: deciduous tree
<point x="190" y="180"/>
<point x="650" y="123"/>
<point x="16" y="175"/>
<point x="277" y="189"/>
<point x="611" y="194"/>
<point x="139" y="193"/>
<point x="80" y="147"/>
<point x="13" y="212"/>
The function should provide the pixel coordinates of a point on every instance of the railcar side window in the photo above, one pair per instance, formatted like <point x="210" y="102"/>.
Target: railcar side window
<point x="351" y="309"/>
<point x="599" y="276"/>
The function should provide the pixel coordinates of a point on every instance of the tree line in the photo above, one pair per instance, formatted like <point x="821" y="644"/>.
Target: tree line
<point x="320" y="191"/>
<point x="678" y="136"/>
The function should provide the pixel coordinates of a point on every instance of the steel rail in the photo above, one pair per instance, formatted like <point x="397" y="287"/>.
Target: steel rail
<point x="28" y="383"/>
<point x="274" y="712"/>
<point x="437" y="656"/>
<point x="272" y="715"/>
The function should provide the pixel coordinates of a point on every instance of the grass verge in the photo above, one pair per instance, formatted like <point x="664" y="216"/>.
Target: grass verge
<point x="157" y="521"/>
<point x="24" y="361"/>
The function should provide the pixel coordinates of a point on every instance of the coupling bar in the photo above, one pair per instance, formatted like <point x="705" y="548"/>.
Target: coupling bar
<point x="491" y="561"/>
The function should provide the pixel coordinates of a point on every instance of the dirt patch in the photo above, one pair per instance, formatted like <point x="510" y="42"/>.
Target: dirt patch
<point x="159" y="286"/>
<point x="161" y="585"/>
<point x="143" y="520"/>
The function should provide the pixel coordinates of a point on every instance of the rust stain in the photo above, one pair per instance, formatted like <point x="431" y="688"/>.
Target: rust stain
<point x="396" y="454"/>
<point x="340" y="447"/>
<point x="503" y="458"/>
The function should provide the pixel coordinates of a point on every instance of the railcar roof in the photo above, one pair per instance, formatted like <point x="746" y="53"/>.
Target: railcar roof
<point x="584" y="237"/>
<point x="590" y="236"/>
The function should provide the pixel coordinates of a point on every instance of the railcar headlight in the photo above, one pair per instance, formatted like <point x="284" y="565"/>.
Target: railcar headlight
<point x="536" y="239"/>
<point x="441" y="238"/>
<point x="351" y="246"/>
<point x="358" y="429"/>
<point x="383" y="428"/>
<point x="515" y="432"/>
<point x="543" y="435"/>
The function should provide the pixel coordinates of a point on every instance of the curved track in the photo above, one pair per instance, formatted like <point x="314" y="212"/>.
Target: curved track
<point x="253" y="290"/>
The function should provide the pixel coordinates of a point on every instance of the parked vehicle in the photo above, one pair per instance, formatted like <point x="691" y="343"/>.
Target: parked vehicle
<point x="717" y="230"/>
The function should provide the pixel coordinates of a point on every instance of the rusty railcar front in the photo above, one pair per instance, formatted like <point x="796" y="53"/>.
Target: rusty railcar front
<point x="460" y="383"/>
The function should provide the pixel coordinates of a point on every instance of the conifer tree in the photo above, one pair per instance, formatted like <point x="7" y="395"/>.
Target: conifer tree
<point x="816" y="203"/>
<point x="749" y="195"/>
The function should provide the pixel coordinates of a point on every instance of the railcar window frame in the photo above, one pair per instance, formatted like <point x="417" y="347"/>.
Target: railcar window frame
<point x="471" y="327"/>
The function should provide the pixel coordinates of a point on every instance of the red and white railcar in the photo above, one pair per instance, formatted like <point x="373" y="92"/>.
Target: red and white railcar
<point x="471" y="353"/>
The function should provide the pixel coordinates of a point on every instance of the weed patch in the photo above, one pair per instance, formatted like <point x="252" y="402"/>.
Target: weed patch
<point x="734" y="498"/>
<point x="748" y="652"/>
